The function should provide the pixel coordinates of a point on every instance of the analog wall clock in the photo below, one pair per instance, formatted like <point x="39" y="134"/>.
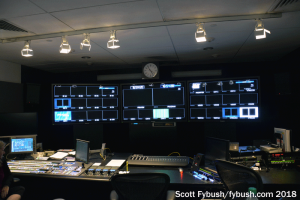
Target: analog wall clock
<point x="150" y="71"/>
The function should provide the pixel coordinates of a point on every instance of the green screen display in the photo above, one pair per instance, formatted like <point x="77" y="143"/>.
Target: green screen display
<point x="160" y="113"/>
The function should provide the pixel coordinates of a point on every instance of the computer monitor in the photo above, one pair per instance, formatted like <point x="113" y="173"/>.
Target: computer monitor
<point x="235" y="99"/>
<point x="155" y="102"/>
<point x="216" y="148"/>
<point x="82" y="150"/>
<point x="84" y="103"/>
<point x="22" y="144"/>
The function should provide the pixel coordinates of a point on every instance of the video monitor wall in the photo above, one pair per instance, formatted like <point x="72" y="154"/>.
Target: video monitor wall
<point x="75" y="103"/>
<point x="154" y="102"/>
<point x="230" y="99"/>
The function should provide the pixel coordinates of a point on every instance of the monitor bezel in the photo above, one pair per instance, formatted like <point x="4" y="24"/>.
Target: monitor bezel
<point x="88" y="151"/>
<point x="83" y="84"/>
<point x="152" y="121"/>
<point x="259" y="119"/>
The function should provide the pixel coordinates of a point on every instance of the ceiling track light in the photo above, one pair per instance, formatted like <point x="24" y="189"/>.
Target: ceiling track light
<point x="27" y="51"/>
<point x="86" y="42"/>
<point x="260" y="31"/>
<point x="64" y="47"/>
<point x="113" y="42"/>
<point x="200" y="34"/>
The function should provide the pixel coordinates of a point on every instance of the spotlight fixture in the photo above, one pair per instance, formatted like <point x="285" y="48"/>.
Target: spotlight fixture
<point x="200" y="33"/>
<point x="27" y="51"/>
<point x="86" y="42"/>
<point x="64" y="47"/>
<point x="113" y="42"/>
<point x="260" y="31"/>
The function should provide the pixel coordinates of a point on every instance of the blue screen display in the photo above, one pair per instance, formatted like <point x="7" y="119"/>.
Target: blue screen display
<point x="22" y="145"/>
<point x="62" y="116"/>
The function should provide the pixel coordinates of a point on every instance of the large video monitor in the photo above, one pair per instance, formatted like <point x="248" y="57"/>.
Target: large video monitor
<point x="154" y="102"/>
<point x="224" y="99"/>
<point x="22" y="144"/>
<point x="216" y="148"/>
<point x="82" y="150"/>
<point x="78" y="103"/>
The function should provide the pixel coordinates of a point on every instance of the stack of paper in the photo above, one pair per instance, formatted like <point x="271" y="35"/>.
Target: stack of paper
<point x="59" y="155"/>
<point x="270" y="149"/>
<point x="115" y="163"/>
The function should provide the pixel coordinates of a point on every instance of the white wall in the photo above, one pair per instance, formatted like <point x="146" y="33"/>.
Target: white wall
<point x="10" y="72"/>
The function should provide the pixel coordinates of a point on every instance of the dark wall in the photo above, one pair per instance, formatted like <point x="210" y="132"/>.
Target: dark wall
<point x="187" y="137"/>
<point x="11" y="97"/>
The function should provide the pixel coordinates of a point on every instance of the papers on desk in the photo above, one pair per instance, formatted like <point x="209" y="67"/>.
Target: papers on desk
<point x="72" y="153"/>
<point x="59" y="155"/>
<point x="96" y="164"/>
<point x="115" y="163"/>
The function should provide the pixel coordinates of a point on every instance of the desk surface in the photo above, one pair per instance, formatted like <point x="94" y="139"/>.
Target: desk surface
<point x="274" y="176"/>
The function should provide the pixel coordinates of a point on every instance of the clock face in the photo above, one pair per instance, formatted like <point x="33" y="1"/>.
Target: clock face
<point x="150" y="70"/>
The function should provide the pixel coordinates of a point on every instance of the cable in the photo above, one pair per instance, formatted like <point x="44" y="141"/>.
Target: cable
<point x="174" y="152"/>
<point x="108" y="149"/>
<point x="191" y="158"/>
<point x="102" y="156"/>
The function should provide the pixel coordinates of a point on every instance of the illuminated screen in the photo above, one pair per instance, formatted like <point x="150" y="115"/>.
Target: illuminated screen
<point x="85" y="103"/>
<point x="21" y="145"/>
<point x="154" y="102"/>
<point x="224" y="99"/>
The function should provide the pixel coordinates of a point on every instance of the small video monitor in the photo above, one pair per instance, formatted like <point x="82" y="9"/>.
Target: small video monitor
<point x="22" y="145"/>
<point x="216" y="148"/>
<point x="82" y="150"/>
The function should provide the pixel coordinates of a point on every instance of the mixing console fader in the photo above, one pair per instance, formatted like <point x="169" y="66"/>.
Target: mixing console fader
<point x="46" y="167"/>
<point x="176" y="161"/>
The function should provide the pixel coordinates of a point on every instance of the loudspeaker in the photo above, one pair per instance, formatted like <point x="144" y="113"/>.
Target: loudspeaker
<point x="199" y="160"/>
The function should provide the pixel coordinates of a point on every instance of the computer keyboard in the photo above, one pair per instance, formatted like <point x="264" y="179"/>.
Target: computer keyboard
<point x="176" y="161"/>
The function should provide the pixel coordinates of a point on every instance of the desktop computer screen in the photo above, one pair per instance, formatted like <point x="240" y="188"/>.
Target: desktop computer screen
<point x="82" y="150"/>
<point x="22" y="144"/>
<point x="216" y="148"/>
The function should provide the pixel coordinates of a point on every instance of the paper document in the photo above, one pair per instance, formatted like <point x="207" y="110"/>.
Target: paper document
<point x="115" y="163"/>
<point x="96" y="164"/>
<point x="72" y="153"/>
<point x="59" y="155"/>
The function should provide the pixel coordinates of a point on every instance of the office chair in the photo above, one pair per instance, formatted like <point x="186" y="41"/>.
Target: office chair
<point x="146" y="186"/>
<point x="238" y="178"/>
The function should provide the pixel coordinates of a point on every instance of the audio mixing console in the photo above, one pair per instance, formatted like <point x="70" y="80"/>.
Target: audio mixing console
<point x="46" y="167"/>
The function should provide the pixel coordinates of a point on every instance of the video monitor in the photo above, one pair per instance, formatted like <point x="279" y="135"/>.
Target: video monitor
<point x="78" y="103"/>
<point x="224" y="99"/>
<point x="23" y="144"/>
<point x="82" y="150"/>
<point x="216" y="148"/>
<point x="154" y="102"/>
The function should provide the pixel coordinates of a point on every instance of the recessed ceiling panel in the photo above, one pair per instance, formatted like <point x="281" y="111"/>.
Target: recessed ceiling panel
<point x="51" y="6"/>
<point x="10" y="34"/>
<point x="111" y="15"/>
<point x="18" y="8"/>
<point x="40" y="24"/>
<point x="189" y="9"/>
<point x="288" y="20"/>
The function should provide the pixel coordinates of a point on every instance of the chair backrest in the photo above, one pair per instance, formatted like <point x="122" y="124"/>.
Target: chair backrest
<point x="238" y="178"/>
<point x="141" y="186"/>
